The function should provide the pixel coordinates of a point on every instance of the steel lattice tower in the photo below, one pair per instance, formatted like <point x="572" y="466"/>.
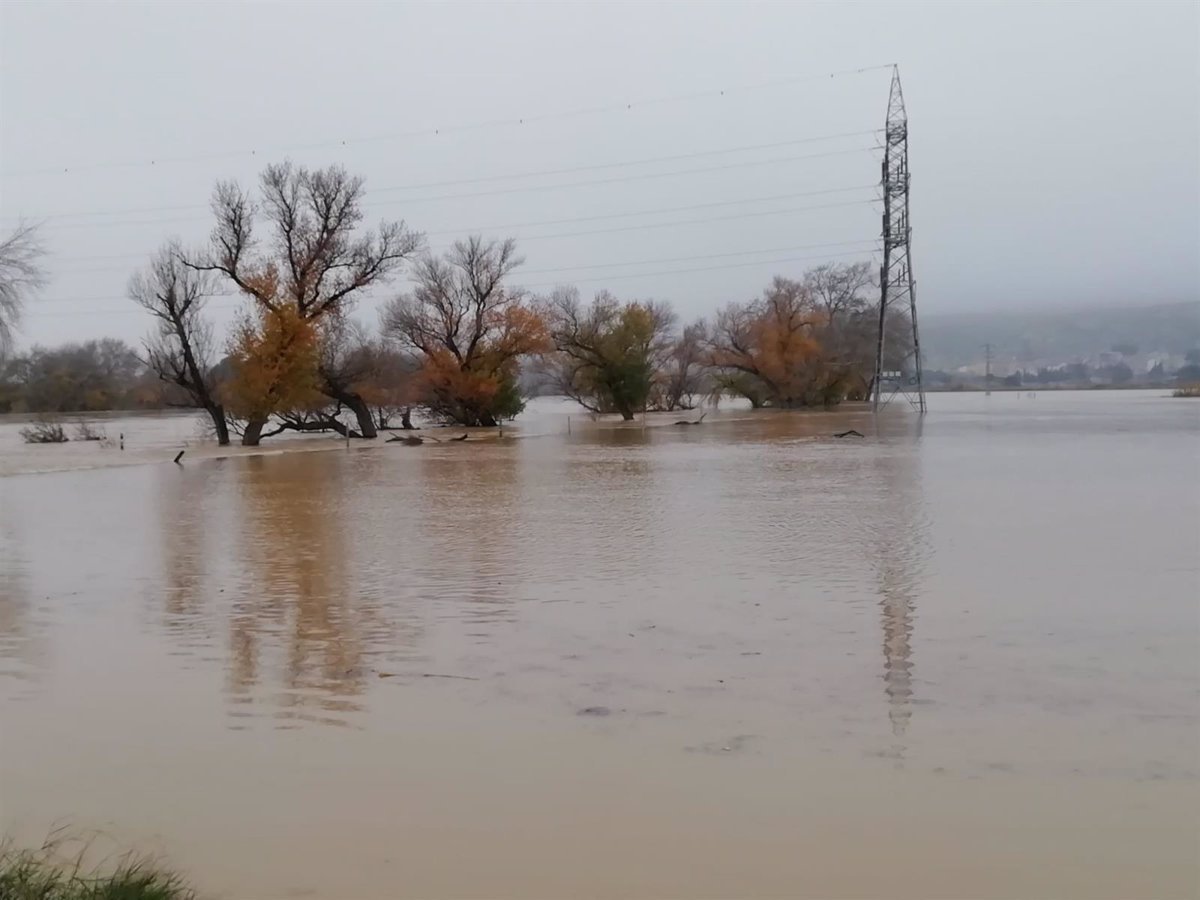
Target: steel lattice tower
<point x="897" y="358"/>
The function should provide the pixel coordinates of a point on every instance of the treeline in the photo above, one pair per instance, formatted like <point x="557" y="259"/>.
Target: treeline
<point x="92" y="376"/>
<point x="461" y="342"/>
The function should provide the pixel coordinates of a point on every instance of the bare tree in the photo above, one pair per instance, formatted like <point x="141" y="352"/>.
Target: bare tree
<point x="682" y="378"/>
<point x="348" y="363"/>
<point x="181" y="349"/>
<point x="314" y="258"/>
<point x="394" y="385"/>
<point x="21" y="274"/>
<point x="840" y="289"/>
<point x="471" y="330"/>
<point x="846" y="293"/>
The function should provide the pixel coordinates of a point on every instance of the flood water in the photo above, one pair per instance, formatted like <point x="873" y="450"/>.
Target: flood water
<point x="955" y="658"/>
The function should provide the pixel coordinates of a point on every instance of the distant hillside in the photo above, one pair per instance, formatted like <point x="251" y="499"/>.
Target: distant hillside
<point x="1031" y="338"/>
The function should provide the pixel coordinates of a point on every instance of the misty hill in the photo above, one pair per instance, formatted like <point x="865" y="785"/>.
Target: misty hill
<point x="1029" y="339"/>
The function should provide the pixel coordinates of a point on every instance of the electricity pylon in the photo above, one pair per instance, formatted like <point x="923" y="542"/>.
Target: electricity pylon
<point x="897" y="356"/>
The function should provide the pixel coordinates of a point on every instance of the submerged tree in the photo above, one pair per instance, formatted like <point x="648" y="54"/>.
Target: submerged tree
<point x="608" y="353"/>
<point x="181" y="349"/>
<point x="316" y="263"/>
<point x="21" y="274"/>
<point x="471" y="330"/>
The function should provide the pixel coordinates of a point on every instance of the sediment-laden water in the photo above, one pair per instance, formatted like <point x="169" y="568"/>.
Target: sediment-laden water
<point x="954" y="658"/>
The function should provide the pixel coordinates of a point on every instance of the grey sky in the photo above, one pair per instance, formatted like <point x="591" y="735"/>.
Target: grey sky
<point x="1055" y="148"/>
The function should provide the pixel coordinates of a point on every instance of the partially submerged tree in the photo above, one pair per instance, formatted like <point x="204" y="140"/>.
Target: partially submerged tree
<point x="471" y="330"/>
<point x="727" y="381"/>
<point x="846" y="294"/>
<point x="181" y="350"/>
<point x="317" y="262"/>
<point x="770" y="349"/>
<point x="390" y="383"/>
<point x="44" y="431"/>
<point x="273" y="359"/>
<point x="359" y="372"/>
<point x="608" y="353"/>
<point x="21" y="274"/>
<point x="683" y="376"/>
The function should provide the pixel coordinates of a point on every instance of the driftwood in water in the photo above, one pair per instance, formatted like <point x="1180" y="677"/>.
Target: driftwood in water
<point x="411" y="440"/>
<point x="697" y="422"/>
<point x="850" y="433"/>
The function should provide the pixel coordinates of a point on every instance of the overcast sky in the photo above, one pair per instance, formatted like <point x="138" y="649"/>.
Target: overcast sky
<point x="1055" y="148"/>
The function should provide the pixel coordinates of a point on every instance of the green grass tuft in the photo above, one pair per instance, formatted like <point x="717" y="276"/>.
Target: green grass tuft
<point x="38" y="875"/>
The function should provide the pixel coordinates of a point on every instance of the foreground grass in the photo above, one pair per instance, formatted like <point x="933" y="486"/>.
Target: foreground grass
<point x="37" y="875"/>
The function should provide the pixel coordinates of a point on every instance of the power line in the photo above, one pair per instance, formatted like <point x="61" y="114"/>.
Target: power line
<point x="545" y="222"/>
<point x="634" y="262"/>
<point x="519" y="190"/>
<point x="133" y="308"/>
<point x="654" y="225"/>
<point x="646" y="262"/>
<point x="651" y="160"/>
<point x="757" y="262"/>
<point x="773" y="212"/>
<point x="491" y="178"/>
<point x="444" y="130"/>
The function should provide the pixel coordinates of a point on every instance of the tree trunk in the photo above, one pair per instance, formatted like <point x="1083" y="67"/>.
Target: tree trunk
<point x="220" y="426"/>
<point x="253" y="432"/>
<point x="357" y="405"/>
<point x="366" y="422"/>
<point x="406" y="419"/>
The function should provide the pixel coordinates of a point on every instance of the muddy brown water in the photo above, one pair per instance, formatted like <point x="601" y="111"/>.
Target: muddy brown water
<point x="955" y="658"/>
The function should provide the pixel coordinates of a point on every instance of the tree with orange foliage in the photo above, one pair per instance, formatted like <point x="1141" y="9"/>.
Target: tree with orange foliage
<point x="471" y="330"/>
<point x="273" y="353"/>
<point x="770" y="350"/>
<point x="320" y="259"/>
